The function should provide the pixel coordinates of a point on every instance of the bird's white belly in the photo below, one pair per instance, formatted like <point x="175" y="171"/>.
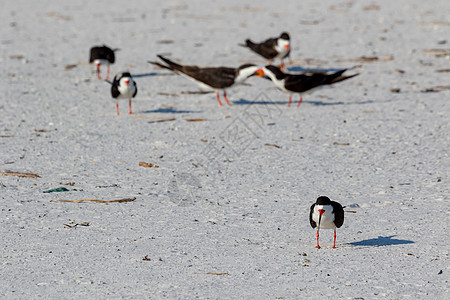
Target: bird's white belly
<point x="281" y="49"/>
<point x="126" y="92"/>
<point x="280" y="85"/>
<point x="282" y="53"/>
<point x="101" y="62"/>
<point x="327" y="220"/>
<point x="202" y="86"/>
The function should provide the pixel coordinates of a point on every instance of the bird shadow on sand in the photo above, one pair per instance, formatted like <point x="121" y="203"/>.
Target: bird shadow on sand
<point x="259" y="101"/>
<point x="323" y="103"/>
<point x="301" y="69"/>
<point x="294" y="102"/>
<point x="170" y="110"/>
<point x="146" y="75"/>
<point x="381" y="241"/>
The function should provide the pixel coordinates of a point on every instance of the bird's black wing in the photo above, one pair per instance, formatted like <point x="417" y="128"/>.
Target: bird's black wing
<point x="135" y="92"/>
<point x="265" y="49"/>
<point x="302" y="82"/>
<point x="313" y="224"/>
<point x="110" y="56"/>
<point x="338" y="214"/>
<point x="219" y="78"/>
<point x="93" y="54"/>
<point x="115" y="89"/>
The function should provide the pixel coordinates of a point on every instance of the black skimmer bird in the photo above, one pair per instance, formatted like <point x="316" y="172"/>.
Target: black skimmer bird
<point x="326" y="214"/>
<point x="272" y="48"/>
<point x="123" y="87"/>
<point x="303" y="82"/>
<point x="102" y="55"/>
<point x="211" y="78"/>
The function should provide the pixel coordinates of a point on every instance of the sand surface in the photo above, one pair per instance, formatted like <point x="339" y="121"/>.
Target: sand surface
<point x="223" y="211"/>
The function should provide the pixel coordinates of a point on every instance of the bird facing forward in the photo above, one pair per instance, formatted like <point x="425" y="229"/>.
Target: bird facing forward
<point x="326" y="214"/>
<point x="123" y="87"/>
<point x="102" y="55"/>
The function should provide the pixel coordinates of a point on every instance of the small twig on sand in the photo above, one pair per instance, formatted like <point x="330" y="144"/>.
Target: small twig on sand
<point x="76" y="224"/>
<point x="147" y="165"/>
<point x="195" y="120"/>
<point x="19" y="174"/>
<point x="95" y="200"/>
<point x="273" y="145"/>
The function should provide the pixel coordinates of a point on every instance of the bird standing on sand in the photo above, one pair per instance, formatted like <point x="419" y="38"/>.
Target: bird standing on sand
<point x="272" y="48"/>
<point x="123" y="87"/>
<point x="326" y="214"/>
<point x="300" y="83"/>
<point x="102" y="55"/>
<point x="211" y="78"/>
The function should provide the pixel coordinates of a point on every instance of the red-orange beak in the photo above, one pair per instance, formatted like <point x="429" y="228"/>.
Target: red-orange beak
<point x="259" y="73"/>
<point x="287" y="47"/>
<point x="127" y="82"/>
<point x="321" y="211"/>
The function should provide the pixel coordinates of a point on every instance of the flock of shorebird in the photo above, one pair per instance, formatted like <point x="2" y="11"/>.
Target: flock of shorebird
<point x="324" y="213"/>
<point x="223" y="78"/>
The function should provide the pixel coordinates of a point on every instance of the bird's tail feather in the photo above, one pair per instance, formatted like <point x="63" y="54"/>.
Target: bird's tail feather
<point x="249" y="44"/>
<point x="171" y="64"/>
<point x="342" y="78"/>
<point x="160" y="65"/>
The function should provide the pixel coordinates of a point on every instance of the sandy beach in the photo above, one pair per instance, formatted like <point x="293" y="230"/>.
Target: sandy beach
<point x="216" y="199"/>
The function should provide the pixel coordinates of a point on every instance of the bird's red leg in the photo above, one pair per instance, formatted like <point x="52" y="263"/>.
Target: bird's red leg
<point x="129" y="104"/>
<point x="300" y="101"/>
<point x="290" y="100"/>
<point x="282" y="66"/>
<point x="117" y="107"/>
<point x="318" y="247"/>
<point x="98" y="71"/>
<point x="107" y="74"/>
<point x="218" y="99"/>
<point x="334" y="244"/>
<point x="225" y="96"/>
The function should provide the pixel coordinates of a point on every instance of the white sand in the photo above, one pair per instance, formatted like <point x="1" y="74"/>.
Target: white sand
<point x="229" y="204"/>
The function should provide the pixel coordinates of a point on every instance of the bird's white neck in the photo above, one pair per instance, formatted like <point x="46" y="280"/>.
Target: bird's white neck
<point x="277" y="82"/>
<point x="244" y="74"/>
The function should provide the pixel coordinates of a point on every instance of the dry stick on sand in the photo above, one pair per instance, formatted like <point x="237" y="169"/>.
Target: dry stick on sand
<point x="19" y="174"/>
<point x="195" y="120"/>
<point x="71" y="66"/>
<point x="147" y="165"/>
<point x="341" y="144"/>
<point x="273" y="145"/>
<point x="95" y="200"/>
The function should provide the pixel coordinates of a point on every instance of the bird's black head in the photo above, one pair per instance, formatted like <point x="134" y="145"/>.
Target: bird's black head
<point x="243" y="69"/>
<point x="126" y="74"/>
<point x="323" y="200"/>
<point x="111" y="49"/>
<point x="244" y="66"/>
<point x="285" y="36"/>
<point x="121" y="75"/>
<point x="276" y="71"/>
